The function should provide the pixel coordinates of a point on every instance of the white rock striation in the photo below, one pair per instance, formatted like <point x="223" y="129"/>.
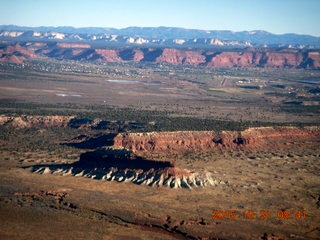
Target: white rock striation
<point x="152" y="178"/>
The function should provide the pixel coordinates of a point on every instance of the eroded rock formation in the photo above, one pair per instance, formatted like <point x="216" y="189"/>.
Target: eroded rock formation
<point x="124" y="166"/>
<point x="28" y="121"/>
<point x="250" y="57"/>
<point x="175" y="56"/>
<point x="14" y="53"/>
<point x="118" y="156"/>
<point x="181" y="141"/>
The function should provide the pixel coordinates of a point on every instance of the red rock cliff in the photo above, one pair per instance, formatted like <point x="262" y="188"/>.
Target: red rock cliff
<point x="253" y="138"/>
<point x="226" y="59"/>
<point x="175" y="56"/>
<point x="315" y="59"/>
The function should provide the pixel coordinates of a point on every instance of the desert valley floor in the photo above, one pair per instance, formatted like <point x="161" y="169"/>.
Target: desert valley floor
<point x="142" y="151"/>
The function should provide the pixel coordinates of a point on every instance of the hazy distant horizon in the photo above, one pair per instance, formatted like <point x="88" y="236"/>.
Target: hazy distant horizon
<point x="228" y="30"/>
<point x="274" y="16"/>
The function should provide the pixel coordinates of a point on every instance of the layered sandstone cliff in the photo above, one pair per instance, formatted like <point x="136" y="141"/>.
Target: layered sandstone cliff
<point x="182" y="141"/>
<point x="219" y="59"/>
<point x="260" y="137"/>
<point x="175" y="56"/>
<point x="122" y="161"/>
<point x="16" y="54"/>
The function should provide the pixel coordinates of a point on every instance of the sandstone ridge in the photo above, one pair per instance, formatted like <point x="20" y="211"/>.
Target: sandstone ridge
<point x="127" y="156"/>
<point x="249" y="57"/>
<point x="182" y="141"/>
<point x="178" y="141"/>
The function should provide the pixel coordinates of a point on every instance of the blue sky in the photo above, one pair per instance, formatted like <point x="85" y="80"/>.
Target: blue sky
<point x="276" y="16"/>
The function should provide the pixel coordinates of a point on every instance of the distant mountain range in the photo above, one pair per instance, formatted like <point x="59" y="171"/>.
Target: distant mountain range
<point x="177" y="46"/>
<point x="159" y="36"/>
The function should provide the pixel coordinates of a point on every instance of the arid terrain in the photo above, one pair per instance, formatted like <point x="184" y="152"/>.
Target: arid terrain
<point x="249" y="57"/>
<point x="186" y="146"/>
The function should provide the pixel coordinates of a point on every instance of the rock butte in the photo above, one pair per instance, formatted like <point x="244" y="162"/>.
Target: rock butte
<point x="121" y="162"/>
<point x="260" y="137"/>
<point x="251" y="138"/>
<point x="122" y="166"/>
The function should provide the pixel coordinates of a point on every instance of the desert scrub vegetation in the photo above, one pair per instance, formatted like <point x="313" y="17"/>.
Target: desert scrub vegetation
<point x="161" y="120"/>
<point x="38" y="140"/>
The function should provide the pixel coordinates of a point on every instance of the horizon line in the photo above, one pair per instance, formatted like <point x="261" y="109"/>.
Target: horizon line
<point x="185" y="28"/>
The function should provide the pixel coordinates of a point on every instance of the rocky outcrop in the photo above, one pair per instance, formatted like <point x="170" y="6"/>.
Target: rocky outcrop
<point x="175" y="56"/>
<point x="313" y="60"/>
<point x="28" y="121"/>
<point x="262" y="59"/>
<point x="219" y="59"/>
<point x="282" y="59"/>
<point x="108" y="55"/>
<point x="178" y="141"/>
<point x="167" y="177"/>
<point x="182" y="141"/>
<point x="118" y="157"/>
<point x="234" y="59"/>
<point x="16" y="54"/>
<point x="124" y="166"/>
<point x="135" y="55"/>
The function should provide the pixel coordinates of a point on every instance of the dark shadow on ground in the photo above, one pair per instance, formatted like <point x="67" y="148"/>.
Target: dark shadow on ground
<point x="118" y="158"/>
<point x="92" y="143"/>
<point x="113" y="126"/>
<point x="104" y="159"/>
<point x="123" y="166"/>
